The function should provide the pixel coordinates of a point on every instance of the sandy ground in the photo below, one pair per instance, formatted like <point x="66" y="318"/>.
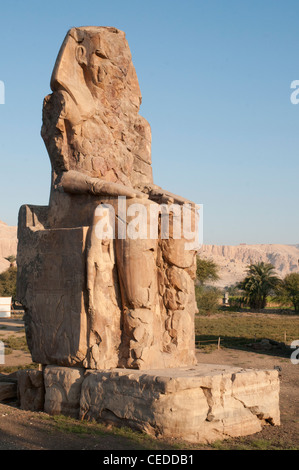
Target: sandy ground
<point x="14" y="327"/>
<point x="20" y="429"/>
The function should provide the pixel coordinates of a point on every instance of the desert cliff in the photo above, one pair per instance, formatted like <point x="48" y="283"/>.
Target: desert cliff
<point x="233" y="260"/>
<point x="8" y="244"/>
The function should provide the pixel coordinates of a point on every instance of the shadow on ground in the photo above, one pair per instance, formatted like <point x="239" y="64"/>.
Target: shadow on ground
<point x="271" y="348"/>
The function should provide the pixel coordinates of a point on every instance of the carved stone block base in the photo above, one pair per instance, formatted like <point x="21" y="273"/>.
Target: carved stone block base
<point x="200" y="404"/>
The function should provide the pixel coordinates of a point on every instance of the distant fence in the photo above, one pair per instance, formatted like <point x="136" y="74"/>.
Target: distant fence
<point x="5" y="307"/>
<point x="199" y="342"/>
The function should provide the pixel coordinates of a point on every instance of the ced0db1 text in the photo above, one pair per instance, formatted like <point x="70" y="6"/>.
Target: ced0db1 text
<point x="174" y="459"/>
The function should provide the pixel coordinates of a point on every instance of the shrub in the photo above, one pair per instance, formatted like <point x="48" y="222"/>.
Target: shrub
<point x="236" y="302"/>
<point x="207" y="299"/>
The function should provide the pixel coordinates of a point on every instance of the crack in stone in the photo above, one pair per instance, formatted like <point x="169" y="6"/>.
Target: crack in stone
<point x="210" y="402"/>
<point x="254" y="410"/>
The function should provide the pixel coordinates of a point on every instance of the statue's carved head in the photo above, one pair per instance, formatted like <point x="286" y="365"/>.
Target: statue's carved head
<point x="95" y="63"/>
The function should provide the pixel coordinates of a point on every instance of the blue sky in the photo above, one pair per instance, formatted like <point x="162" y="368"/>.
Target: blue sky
<point x="215" y="79"/>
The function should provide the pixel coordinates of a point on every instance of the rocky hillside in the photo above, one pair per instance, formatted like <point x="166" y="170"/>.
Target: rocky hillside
<point x="233" y="260"/>
<point x="8" y="244"/>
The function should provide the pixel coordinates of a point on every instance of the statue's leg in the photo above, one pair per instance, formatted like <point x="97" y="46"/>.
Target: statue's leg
<point x="137" y="268"/>
<point x="103" y="297"/>
<point x="176" y="267"/>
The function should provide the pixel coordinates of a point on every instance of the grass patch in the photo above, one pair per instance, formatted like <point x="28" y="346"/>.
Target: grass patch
<point x="11" y="369"/>
<point x="236" y="331"/>
<point x="138" y="439"/>
<point x="18" y="343"/>
<point x="251" y="444"/>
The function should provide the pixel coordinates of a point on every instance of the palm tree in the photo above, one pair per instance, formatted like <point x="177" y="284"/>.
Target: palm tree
<point x="288" y="291"/>
<point x="261" y="279"/>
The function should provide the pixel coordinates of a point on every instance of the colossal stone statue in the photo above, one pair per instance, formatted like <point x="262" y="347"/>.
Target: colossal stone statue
<point x="106" y="273"/>
<point x="95" y="301"/>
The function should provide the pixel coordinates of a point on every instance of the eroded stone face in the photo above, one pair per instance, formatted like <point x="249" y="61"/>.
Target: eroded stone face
<point x="91" y="302"/>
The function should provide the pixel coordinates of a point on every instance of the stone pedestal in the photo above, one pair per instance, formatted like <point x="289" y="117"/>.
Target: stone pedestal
<point x="200" y="404"/>
<point x="31" y="392"/>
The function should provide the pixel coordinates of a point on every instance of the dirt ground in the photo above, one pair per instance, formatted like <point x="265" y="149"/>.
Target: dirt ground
<point x="14" y="328"/>
<point x="23" y="430"/>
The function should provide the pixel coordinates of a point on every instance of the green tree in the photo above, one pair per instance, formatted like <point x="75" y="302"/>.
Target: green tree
<point x="288" y="291"/>
<point x="8" y="282"/>
<point x="207" y="298"/>
<point x="206" y="270"/>
<point x="260" y="281"/>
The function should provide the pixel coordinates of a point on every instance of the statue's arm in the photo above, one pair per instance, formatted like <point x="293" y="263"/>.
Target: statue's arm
<point x="162" y="196"/>
<point x="75" y="182"/>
